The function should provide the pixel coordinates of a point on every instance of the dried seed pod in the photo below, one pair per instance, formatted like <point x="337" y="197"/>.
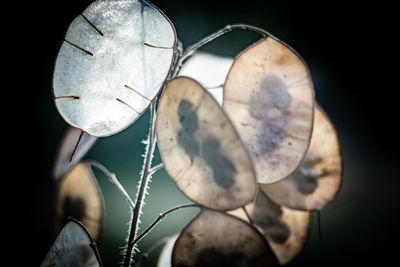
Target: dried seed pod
<point x="79" y="196"/>
<point x="200" y="148"/>
<point x="286" y="230"/>
<point x="69" y="141"/>
<point x="72" y="247"/>
<point x="209" y="70"/>
<point x="269" y="97"/>
<point x="214" y="238"/>
<point x="112" y="63"/>
<point x="317" y="180"/>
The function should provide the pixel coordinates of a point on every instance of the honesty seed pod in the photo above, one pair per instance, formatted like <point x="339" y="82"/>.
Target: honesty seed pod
<point x="79" y="196"/>
<point x="111" y="65"/>
<point x="317" y="180"/>
<point x="286" y="230"/>
<point x="200" y="148"/>
<point x="269" y="97"/>
<point x="214" y="238"/>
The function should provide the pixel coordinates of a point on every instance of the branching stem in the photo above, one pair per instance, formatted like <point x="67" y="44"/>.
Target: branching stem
<point x="142" y="186"/>
<point x="159" y="218"/>
<point x="145" y="255"/>
<point x="113" y="179"/>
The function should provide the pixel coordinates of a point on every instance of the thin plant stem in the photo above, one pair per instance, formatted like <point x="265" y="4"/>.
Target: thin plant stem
<point x="159" y="218"/>
<point x="156" y="168"/>
<point x="145" y="255"/>
<point x="92" y="244"/>
<point x="191" y="49"/>
<point x="143" y="183"/>
<point x="76" y="145"/>
<point x="113" y="179"/>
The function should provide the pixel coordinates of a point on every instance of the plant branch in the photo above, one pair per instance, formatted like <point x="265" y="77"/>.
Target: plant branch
<point x="113" y="179"/>
<point x="159" y="218"/>
<point x="92" y="244"/>
<point x="145" y="255"/>
<point x="228" y="28"/>
<point x="143" y="182"/>
<point x="156" y="168"/>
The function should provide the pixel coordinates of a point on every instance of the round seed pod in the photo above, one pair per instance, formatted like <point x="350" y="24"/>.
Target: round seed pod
<point x="111" y="65"/>
<point x="214" y="238"/>
<point x="200" y="149"/>
<point x="79" y="196"/>
<point x="316" y="182"/>
<point x="286" y="230"/>
<point x="269" y="97"/>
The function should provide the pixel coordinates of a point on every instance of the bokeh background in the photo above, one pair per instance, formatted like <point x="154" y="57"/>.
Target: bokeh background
<point x="347" y="48"/>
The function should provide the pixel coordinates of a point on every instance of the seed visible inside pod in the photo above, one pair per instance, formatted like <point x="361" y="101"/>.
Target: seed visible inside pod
<point x="269" y="97"/>
<point x="200" y="148"/>
<point x="111" y="65"/>
<point x="216" y="239"/>
<point x="79" y="196"/>
<point x="317" y="180"/>
<point x="286" y="230"/>
<point x="71" y="248"/>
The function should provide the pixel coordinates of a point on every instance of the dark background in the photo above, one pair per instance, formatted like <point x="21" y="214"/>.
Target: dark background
<point x="351" y="54"/>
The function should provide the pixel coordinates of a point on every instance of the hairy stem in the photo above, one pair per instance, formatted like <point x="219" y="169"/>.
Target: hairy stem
<point x="156" y="168"/>
<point x="191" y="49"/>
<point x="143" y="183"/>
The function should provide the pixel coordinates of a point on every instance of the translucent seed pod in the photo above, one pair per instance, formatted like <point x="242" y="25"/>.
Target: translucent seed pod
<point x="200" y="149"/>
<point x="316" y="182"/>
<point x="269" y="97"/>
<point x="111" y="65"/>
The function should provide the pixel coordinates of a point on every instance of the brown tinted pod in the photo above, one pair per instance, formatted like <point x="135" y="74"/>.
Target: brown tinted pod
<point x="317" y="180"/>
<point x="286" y="230"/>
<point x="214" y="238"/>
<point x="269" y="97"/>
<point x="69" y="141"/>
<point x="79" y="196"/>
<point x="72" y="247"/>
<point x="200" y="148"/>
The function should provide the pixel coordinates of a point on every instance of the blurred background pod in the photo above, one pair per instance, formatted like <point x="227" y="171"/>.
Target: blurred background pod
<point x="79" y="196"/>
<point x="72" y="247"/>
<point x="210" y="70"/>
<point x="74" y="145"/>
